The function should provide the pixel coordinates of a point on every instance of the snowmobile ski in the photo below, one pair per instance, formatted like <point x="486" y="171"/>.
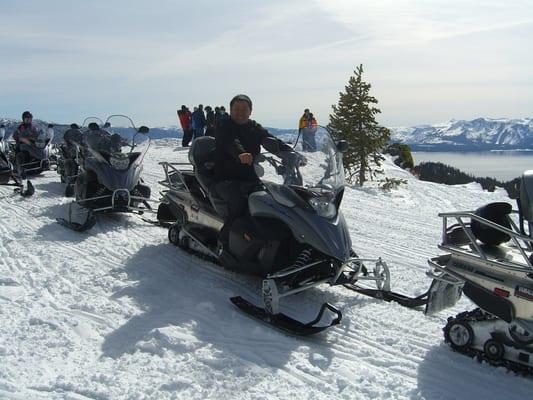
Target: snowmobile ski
<point x="89" y="222"/>
<point x="284" y="322"/>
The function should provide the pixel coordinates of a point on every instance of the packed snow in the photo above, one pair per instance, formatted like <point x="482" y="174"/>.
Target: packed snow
<point x="119" y="313"/>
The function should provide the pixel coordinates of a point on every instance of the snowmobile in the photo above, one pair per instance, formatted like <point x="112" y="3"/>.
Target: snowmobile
<point x="489" y="259"/>
<point x="7" y="173"/>
<point x="109" y="180"/>
<point x="293" y="236"/>
<point x="33" y="155"/>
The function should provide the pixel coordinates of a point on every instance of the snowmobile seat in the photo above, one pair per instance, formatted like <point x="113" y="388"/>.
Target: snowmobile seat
<point x="497" y="213"/>
<point x="202" y="157"/>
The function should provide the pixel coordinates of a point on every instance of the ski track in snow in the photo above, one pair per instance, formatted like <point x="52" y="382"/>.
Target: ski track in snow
<point x="119" y="313"/>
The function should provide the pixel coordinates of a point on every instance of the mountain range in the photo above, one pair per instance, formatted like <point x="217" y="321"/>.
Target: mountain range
<point x="480" y="134"/>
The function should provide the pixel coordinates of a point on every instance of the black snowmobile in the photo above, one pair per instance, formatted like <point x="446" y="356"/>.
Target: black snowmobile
<point x="9" y="177"/>
<point x="489" y="259"/>
<point x="109" y="178"/>
<point x="294" y="235"/>
<point x="34" y="153"/>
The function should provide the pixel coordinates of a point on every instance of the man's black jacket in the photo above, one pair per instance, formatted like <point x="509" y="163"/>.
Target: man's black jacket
<point x="233" y="139"/>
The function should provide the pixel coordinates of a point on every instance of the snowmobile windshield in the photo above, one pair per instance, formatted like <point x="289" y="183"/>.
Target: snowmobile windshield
<point x="90" y="120"/>
<point x="314" y="169"/>
<point x="117" y="141"/>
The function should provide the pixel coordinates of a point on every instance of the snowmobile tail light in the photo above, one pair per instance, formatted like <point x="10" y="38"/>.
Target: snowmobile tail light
<point x="120" y="163"/>
<point x="323" y="206"/>
<point x="501" y="292"/>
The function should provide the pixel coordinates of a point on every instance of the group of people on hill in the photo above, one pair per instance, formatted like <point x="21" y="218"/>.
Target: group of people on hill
<point x="203" y="121"/>
<point x="199" y="122"/>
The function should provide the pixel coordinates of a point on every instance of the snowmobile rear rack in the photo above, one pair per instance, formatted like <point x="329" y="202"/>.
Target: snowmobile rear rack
<point x="286" y="323"/>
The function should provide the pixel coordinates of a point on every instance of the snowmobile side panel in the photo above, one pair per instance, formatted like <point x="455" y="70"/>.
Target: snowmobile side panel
<point x="489" y="301"/>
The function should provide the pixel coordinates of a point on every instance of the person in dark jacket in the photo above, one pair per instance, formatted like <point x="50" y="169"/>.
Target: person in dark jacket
<point x="198" y="121"/>
<point x="210" y="121"/>
<point x="185" y="116"/>
<point x="238" y="141"/>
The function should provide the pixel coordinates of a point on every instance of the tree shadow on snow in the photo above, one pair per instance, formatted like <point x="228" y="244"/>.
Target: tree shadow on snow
<point x="186" y="307"/>
<point x="445" y="374"/>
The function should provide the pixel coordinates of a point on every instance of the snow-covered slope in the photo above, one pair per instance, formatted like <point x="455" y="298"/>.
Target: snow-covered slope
<point x="478" y="134"/>
<point x="119" y="313"/>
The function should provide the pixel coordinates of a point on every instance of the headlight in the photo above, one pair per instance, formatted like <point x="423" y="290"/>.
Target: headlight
<point x="323" y="206"/>
<point x="121" y="163"/>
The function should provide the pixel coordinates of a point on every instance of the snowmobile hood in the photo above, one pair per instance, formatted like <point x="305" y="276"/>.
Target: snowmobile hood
<point x="329" y="236"/>
<point x="114" y="179"/>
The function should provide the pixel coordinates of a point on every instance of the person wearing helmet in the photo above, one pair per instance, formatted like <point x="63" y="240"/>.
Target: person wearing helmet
<point x="238" y="142"/>
<point x="26" y="130"/>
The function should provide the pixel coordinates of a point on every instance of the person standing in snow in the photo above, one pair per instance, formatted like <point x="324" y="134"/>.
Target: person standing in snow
<point x="198" y="121"/>
<point x="210" y="121"/>
<point x="308" y="134"/>
<point x="185" y="117"/>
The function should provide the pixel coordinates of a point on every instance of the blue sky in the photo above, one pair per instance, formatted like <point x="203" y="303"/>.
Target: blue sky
<point x="428" y="61"/>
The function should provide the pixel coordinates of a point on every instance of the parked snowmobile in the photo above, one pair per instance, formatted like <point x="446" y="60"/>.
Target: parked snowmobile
<point x="489" y="259"/>
<point x="294" y="236"/>
<point x="8" y="176"/>
<point x="33" y="154"/>
<point x="110" y="165"/>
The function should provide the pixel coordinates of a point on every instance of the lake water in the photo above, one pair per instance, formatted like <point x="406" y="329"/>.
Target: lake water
<point x="502" y="165"/>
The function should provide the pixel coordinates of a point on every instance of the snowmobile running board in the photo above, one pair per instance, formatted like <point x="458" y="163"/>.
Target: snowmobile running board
<point x="284" y="322"/>
<point x="403" y="300"/>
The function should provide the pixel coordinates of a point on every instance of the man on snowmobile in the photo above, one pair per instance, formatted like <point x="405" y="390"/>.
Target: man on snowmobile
<point x="26" y="130"/>
<point x="238" y="141"/>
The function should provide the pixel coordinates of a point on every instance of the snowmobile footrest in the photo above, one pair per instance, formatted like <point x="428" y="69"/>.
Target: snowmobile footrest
<point x="409" y="302"/>
<point x="286" y="323"/>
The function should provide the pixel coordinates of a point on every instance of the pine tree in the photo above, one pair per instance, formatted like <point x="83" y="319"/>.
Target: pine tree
<point x="353" y="120"/>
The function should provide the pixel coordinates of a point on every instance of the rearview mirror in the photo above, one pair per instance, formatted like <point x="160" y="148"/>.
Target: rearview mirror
<point x="342" y="146"/>
<point x="143" y="129"/>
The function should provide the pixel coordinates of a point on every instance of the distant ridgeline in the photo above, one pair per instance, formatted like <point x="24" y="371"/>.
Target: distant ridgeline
<point x="155" y="132"/>
<point x="481" y="134"/>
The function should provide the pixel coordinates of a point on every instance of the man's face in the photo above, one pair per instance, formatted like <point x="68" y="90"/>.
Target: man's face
<point x="27" y="120"/>
<point x="240" y="112"/>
